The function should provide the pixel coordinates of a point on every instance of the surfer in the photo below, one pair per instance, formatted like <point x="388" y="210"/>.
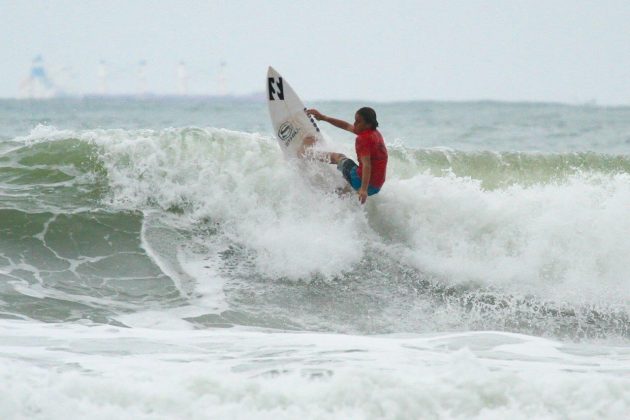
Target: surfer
<point x="368" y="176"/>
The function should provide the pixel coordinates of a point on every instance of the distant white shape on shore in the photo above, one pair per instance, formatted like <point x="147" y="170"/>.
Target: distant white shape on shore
<point x="37" y="85"/>
<point x="116" y="79"/>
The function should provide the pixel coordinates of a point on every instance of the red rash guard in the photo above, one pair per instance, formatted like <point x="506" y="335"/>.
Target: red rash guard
<point x="370" y="143"/>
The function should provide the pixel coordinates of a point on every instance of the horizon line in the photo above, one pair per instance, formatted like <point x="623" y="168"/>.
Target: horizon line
<point x="261" y="97"/>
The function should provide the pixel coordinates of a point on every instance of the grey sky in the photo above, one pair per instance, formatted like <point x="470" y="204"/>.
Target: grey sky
<point x="554" y="50"/>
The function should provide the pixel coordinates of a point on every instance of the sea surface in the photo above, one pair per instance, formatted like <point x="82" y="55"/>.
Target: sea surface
<point x="160" y="259"/>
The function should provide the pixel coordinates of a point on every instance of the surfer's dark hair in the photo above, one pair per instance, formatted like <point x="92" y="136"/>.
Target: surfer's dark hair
<point x="369" y="116"/>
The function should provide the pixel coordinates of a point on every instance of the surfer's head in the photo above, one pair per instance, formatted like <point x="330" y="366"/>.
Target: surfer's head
<point x="365" y="118"/>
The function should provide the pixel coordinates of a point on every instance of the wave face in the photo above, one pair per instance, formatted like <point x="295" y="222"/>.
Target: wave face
<point x="214" y="227"/>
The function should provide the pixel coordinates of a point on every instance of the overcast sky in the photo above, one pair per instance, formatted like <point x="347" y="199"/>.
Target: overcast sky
<point x="553" y="50"/>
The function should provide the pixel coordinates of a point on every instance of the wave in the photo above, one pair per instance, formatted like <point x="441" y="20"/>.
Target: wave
<point x="450" y="231"/>
<point x="46" y="145"/>
<point x="502" y="169"/>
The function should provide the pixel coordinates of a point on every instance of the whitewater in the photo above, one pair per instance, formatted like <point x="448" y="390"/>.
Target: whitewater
<point x="160" y="258"/>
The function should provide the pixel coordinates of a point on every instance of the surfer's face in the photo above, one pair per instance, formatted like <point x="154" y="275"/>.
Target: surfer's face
<point x="359" y="123"/>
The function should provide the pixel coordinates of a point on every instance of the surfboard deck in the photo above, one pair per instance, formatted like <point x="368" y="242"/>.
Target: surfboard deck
<point x="288" y="115"/>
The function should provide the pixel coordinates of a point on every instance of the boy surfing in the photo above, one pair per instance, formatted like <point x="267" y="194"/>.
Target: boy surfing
<point x="368" y="176"/>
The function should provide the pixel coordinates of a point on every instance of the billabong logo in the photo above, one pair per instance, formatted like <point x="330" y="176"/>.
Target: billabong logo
<point x="276" y="90"/>
<point x="286" y="132"/>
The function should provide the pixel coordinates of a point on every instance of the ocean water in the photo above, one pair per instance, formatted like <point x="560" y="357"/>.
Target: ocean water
<point x="160" y="259"/>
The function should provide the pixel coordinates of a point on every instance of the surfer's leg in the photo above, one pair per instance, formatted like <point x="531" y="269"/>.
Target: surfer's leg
<point x="329" y="157"/>
<point x="335" y="158"/>
<point x="307" y="149"/>
<point x="348" y="169"/>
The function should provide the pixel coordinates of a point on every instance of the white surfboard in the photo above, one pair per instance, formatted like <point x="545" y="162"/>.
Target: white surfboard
<point x="288" y="115"/>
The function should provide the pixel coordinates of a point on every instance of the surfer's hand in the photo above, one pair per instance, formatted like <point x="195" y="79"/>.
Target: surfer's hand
<point x="315" y="113"/>
<point x="362" y="195"/>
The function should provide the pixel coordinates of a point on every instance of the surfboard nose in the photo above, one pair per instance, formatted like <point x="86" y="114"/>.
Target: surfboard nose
<point x="270" y="71"/>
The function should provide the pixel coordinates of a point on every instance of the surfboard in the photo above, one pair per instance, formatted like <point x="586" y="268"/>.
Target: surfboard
<point x="288" y="115"/>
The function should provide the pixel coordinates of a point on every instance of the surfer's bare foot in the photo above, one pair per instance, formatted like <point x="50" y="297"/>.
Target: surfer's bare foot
<point x="307" y="144"/>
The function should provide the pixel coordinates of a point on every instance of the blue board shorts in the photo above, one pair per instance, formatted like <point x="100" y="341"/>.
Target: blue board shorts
<point x="349" y="170"/>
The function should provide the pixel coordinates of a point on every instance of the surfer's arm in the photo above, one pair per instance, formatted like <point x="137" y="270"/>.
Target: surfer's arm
<point x="344" y="125"/>
<point x="365" y="177"/>
<point x="339" y="123"/>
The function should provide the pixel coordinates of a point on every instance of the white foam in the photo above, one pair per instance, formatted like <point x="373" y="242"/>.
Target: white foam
<point x="68" y="371"/>
<point x="205" y="268"/>
<point x="293" y="228"/>
<point x="43" y="133"/>
<point x="155" y="319"/>
<point x="567" y="242"/>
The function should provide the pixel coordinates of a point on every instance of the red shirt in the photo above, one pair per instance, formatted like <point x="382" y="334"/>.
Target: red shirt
<point x="370" y="143"/>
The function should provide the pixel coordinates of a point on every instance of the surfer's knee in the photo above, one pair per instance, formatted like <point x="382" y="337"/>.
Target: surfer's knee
<point x="335" y="158"/>
<point x="307" y="143"/>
